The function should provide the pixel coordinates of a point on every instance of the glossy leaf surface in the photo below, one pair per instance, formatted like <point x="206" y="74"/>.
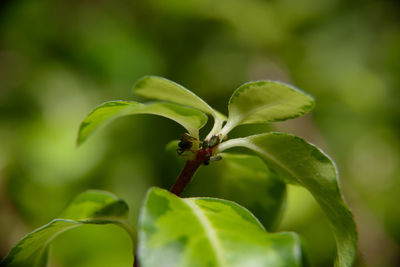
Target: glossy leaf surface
<point x="304" y="164"/>
<point x="266" y="101"/>
<point x="246" y="180"/>
<point x="208" y="232"/>
<point x="192" y="120"/>
<point x="155" y="87"/>
<point x="90" y="207"/>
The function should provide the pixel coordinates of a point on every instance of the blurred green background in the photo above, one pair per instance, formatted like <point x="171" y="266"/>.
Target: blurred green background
<point x="60" y="58"/>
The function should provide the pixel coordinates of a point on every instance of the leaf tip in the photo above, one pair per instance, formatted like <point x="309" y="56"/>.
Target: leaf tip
<point x="80" y="139"/>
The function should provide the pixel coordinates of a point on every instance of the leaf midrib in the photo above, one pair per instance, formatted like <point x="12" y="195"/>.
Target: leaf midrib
<point x="209" y="231"/>
<point x="48" y="241"/>
<point x="250" y="144"/>
<point x="272" y="158"/>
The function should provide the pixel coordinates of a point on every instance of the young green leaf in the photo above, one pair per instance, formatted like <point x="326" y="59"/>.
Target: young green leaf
<point x="208" y="232"/>
<point x="191" y="119"/>
<point x="246" y="180"/>
<point x="266" y="101"/>
<point x="154" y="87"/>
<point x="304" y="164"/>
<point x="90" y="207"/>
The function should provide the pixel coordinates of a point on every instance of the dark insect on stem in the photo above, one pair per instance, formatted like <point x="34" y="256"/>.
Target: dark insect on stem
<point x="216" y="158"/>
<point x="214" y="140"/>
<point x="185" y="143"/>
<point x="207" y="148"/>
<point x="204" y="145"/>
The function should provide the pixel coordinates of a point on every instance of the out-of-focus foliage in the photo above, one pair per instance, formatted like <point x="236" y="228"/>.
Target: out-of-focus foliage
<point x="60" y="58"/>
<point x="91" y="207"/>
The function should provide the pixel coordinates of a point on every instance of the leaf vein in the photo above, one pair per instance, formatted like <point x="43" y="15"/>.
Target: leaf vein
<point x="210" y="232"/>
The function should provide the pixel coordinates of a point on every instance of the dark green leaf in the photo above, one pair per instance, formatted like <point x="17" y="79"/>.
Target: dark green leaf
<point x="301" y="163"/>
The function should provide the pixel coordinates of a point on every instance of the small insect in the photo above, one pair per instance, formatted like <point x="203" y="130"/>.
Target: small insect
<point x="204" y="145"/>
<point x="207" y="147"/>
<point x="185" y="143"/>
<point x="214" y="140"/>
<point x="216" y="158"/>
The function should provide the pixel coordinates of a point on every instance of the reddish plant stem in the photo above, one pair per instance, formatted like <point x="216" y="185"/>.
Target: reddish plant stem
<point x="136" y="260"/>
<point x="185" y="177"/>
<point x="189" y="170"/>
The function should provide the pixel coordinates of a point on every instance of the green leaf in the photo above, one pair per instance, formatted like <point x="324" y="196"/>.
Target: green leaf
<point x="90" y="207"/>
<point x="192" y="120"/>
<point x="246" y="180"/>
<point x="154" y="87"/>
<point x="266" y="101"/>
<point x="208" y="232"/>
<point x="304" y="164"/>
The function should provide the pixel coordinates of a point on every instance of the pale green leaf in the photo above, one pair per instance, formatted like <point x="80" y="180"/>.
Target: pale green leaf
<point x="246" y="180"/>
<point x="196" y="232"/>
<point x="266" y="101"/>
<point x="90" y="207"/>
<point x="154" y="87"/>
<point x="191" y="119"/>
<point x="304" y="164"/>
